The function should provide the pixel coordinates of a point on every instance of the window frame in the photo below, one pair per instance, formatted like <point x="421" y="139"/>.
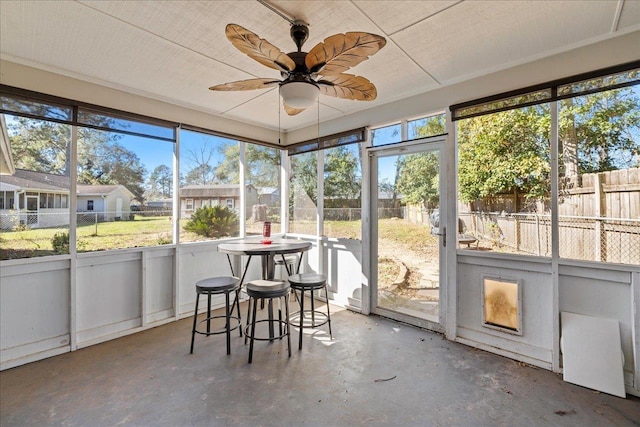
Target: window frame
<point x="554" y="102"/>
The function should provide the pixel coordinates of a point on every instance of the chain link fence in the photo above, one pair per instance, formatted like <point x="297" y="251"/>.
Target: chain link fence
<point x="342" y="214"/>
<point x="32" y="234"/>
<point x="615" y="240"/>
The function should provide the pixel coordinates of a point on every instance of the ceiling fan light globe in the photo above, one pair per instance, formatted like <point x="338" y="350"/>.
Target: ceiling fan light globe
<point x="299" y="94"/>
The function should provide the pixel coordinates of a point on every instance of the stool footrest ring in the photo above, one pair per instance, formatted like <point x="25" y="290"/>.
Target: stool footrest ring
<point x="222" y="330"/>
<point x="247" y="330"/>
<point x="307" y="319"/>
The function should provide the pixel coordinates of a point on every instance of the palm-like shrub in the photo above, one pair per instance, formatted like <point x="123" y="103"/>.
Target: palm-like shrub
<point x="60" y="243"/>
<point x="213" y="221"/>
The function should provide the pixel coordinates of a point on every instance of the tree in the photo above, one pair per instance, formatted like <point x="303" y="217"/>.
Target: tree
<point x="45" y="146"/>
<point x="505" y="151"/>
<point x="600" y="132"/>
<point x="160" y="184"/>
<point x="429" y="126"/>
<point x="40" y="145"/>
<point x="263" y="165"/>
<point x="419" y="179"/>
<point x="199" y="175"/>
<point x="102" y="160"/>
<point x="228" y="170"/>
<point x="509" y="151"/>
<point x="304" y="178"/>
<point x="342" y="177"/>
<point x="201" y="171"/>
<point x="417" y="175"/>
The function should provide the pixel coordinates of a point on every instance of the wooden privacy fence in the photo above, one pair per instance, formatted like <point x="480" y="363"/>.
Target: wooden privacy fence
<point x="585" y="238"/>
<point x="599" y="219"/>
<point x="613" y="194"/>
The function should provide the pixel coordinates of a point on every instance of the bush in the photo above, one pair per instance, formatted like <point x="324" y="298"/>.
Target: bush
<point x="213" y="221"/>
<point x="60" y="243"/>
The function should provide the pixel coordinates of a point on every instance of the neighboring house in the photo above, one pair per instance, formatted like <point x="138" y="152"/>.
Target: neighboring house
<point x="6" y="160"/>
<point x="193" y="197"/>
<point x="158" y="205"/>
<point x="269" y="196"/>
<point x="36" y="199"/>
<point x="386" y="199"/>
<point x="111" y="202"/>
<point x="41" y="200"/>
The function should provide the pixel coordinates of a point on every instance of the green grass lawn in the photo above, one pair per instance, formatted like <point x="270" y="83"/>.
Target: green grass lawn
<point x="152" y="231"/>
<point x="143" y="231"/>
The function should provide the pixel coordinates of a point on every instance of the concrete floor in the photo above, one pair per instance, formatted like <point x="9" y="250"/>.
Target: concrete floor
<point x="374" y="372"/>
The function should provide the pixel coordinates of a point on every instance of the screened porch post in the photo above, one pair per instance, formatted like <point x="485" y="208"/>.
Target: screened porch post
<point x="285" y="166"/>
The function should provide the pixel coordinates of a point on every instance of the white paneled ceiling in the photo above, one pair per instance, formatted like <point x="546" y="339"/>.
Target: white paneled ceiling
<point x="174" y="51"/>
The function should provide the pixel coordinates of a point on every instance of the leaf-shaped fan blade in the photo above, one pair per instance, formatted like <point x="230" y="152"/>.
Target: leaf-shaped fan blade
<point x="259" y="49"/>
<point x="348" y="86"/>
<point x="250" y="84"/>
<point x="340" y="52"/>
<point x="292" y="111"/>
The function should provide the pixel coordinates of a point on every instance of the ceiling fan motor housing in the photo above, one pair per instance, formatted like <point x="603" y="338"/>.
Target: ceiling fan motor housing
<point x="301" y="67"/>
<point x="299" y="33"/>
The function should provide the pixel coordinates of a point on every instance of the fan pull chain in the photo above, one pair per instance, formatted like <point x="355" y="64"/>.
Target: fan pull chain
<point x="278" y="104"/>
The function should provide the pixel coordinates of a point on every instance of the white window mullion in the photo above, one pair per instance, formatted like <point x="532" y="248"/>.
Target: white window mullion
<point x="366" y="214"/>
<point x="285" y="173"/>
<point x="243" y="196"/>
<point x="404" y="131"/>
<point x="320" y="212"/>
<point x="449" y="300"/>
<point x="176" y="223"/>
<point x="320" y="195"/>
<point x="176" y="188"/>
<point x="73" y="222"/>
<point x="555" y="244"/>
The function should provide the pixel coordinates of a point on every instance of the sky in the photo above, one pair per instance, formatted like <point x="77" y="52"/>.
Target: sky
<point x="153" y="152"/>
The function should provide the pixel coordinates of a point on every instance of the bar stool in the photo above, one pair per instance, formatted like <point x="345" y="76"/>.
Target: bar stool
<point x="216" y="286"/>
<point x="310" y="282"/>
<point x="270" y="290"/>
<point x="287" y="263"/>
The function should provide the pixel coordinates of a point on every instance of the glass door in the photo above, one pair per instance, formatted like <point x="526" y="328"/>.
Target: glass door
<point x="405" y="233"/>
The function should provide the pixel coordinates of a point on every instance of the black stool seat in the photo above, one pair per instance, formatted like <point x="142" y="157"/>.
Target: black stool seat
<point x="215" y="286"/>
<point x="310" y="282"/>
<point x="267" y="289"/>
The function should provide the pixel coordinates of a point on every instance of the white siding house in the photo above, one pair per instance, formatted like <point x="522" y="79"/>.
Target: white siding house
<point x="110" y="202"/>
<point x="41" y="200"/>
<point x="193" y="197"/>
<point x="34" y="199"/>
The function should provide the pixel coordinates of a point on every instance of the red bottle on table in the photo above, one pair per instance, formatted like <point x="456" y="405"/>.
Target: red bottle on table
<point x="266" y="232"/>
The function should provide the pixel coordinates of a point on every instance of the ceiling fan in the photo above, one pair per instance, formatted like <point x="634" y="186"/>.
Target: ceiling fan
<point x="305" y="75"/>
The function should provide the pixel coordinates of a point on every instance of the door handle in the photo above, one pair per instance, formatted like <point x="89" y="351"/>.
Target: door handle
<point x="443" y="235"/>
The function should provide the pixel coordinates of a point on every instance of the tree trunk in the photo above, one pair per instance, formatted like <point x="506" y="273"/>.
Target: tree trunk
<point x="569" y="151"/>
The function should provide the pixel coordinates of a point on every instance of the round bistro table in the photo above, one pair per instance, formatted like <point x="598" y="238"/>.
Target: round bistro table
<point x="267" y="253"/>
